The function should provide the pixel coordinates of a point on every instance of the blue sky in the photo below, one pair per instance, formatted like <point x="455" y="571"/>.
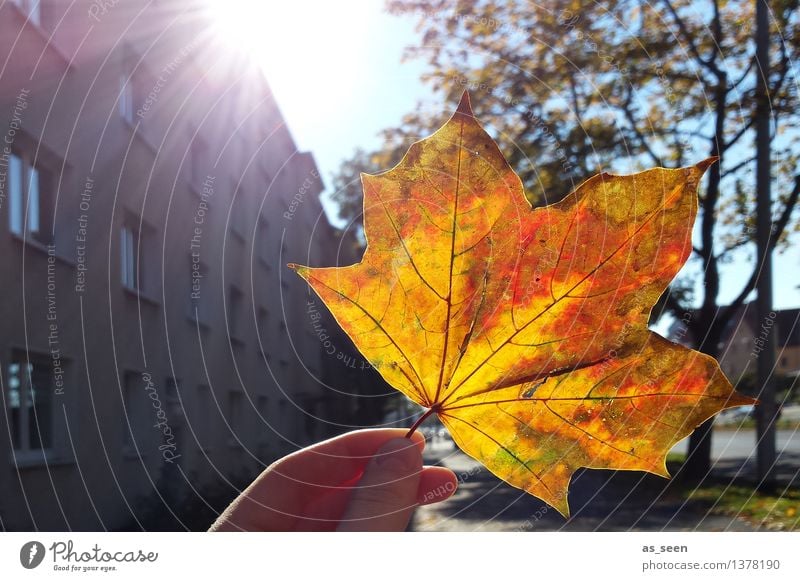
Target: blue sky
<point x="345" y="82"/>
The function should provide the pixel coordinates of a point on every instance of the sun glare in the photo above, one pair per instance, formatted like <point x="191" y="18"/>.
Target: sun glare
<point x="310" y="50"/>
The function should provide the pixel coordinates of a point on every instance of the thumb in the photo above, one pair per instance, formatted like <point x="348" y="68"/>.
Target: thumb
<point x="386" y="495"/>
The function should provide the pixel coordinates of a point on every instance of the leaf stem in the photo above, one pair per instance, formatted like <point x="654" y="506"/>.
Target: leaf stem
<point x="421" y="419"/>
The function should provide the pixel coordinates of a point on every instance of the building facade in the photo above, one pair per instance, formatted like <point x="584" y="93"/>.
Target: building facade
<point x="153" y="340"/>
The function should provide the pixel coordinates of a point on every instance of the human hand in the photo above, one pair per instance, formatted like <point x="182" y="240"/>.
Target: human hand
<point x="367" y="480"/>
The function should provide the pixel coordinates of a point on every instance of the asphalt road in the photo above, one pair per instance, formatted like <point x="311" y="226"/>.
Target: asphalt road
<point x="729" y="444"/>
<point x="600" y="500"/>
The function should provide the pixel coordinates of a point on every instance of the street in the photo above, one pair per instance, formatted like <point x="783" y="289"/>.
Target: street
<point x="728" y="444"/>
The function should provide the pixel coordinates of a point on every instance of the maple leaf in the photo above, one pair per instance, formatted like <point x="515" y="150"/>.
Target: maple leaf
<point x="525" y="330"/>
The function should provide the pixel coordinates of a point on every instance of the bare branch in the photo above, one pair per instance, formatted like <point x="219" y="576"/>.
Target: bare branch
<point x="733" y="247"/>
<point x="709" y="202"/>
<point x="745" y="73"/>
<point x="738" y="166"/>
<point x="642" y="141"/>
<point x="738" y="134"/>
<point x="716" y="27"/>
<point x="689" y="40"/>
<point x="779" y="225"/>
<point x="672" y="304"/>
<point x="575" y="105"/>
<point x="777" y="229"/>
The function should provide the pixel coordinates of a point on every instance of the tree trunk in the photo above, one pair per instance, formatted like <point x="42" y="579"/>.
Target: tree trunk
<point x="698" y="456"/>
<point x="766" y="412"/>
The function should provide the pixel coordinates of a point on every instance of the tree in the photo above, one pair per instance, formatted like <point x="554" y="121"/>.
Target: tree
<point x="569" y="90"/>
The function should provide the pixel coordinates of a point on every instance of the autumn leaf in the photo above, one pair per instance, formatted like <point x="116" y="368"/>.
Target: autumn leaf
<point x="524" y="329"/>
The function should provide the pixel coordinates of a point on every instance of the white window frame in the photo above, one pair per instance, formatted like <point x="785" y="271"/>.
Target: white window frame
<point x="16" y="394"/>
<point x="130" y="255"/>
<point x="263" y="407"/>
<point x="126" y="105"/>
<point x="262" y="404"/>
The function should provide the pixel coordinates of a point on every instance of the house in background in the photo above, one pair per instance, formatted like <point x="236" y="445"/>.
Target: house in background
<point x="153" y="339"/>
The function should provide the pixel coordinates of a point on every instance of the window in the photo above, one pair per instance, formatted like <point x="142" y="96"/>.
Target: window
<point x="234" y="312"/>
<point x="129" y="260"/>
<point x="29" y="196"/>
<point x="136" y="400"/>
<point x="32" y="9"/>
<point x="15" y="194"/>
<point x="29" y="401"/>
<point x="126" y="97"/>
<point x="137" y="241"/>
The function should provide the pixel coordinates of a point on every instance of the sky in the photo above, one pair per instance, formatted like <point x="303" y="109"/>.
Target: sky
<point x="335" y="69"/>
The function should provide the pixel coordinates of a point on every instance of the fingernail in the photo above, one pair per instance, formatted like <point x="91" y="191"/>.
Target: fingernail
<point x="398" y="455"/>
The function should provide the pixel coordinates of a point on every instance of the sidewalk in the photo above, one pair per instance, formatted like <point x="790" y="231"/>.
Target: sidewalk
<point x="599" y="500"/>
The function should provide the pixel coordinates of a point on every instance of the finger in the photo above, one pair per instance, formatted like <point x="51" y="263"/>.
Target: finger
<point x="436" y="484"/>
<point x="310" y="487"/>
<point x="340" y="458"/>
<point x="387" y="493"/>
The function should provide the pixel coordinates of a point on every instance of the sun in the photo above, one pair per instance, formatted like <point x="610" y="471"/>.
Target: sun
<point x="311" y="51"/>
